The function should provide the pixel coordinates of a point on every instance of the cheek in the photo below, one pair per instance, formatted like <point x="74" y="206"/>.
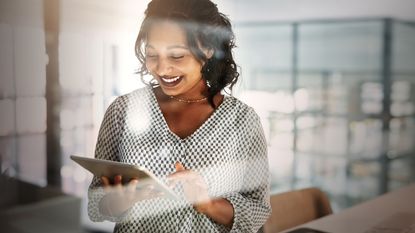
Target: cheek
<point x="150" y="65"/>
<point x="197" y="69"/>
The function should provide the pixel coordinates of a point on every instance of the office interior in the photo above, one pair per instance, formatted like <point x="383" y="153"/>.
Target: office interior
<point x="335" y="91"/>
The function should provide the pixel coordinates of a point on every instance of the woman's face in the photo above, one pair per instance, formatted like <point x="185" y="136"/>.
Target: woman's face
<point x="170" y="61"/>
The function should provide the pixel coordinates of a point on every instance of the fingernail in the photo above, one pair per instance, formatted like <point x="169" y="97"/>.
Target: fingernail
<point x="179" y="165"/>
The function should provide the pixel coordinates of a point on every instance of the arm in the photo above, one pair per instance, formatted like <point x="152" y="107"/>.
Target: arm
<point x="219" y="210"/>
<point x="106" y="148"/>
<point x="252" y="204"/>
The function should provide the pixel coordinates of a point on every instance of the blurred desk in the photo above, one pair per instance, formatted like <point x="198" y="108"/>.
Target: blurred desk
<point x="397" y="205"/>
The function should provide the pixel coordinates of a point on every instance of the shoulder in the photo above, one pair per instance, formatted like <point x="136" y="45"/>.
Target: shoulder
<point x="246" y="122"/>
<point x="136" y="97"/>
<point x="239" y="108"/>
<point x="240" y="116"/>
<point x="126" y="104"/>
<point x="140" y="94"/>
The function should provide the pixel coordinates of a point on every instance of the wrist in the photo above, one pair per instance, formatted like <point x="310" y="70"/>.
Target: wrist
<point x="204" y="207"/>
<point x="219" y="210"/>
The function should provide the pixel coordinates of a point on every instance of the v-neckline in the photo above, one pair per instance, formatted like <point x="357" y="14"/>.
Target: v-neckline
<point x="159" y="113"/>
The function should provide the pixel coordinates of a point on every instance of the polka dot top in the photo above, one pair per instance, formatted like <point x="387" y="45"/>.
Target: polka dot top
<point x="228" y="150"/>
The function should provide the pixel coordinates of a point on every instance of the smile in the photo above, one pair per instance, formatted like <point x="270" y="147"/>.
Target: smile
<point x="170" y="80"/>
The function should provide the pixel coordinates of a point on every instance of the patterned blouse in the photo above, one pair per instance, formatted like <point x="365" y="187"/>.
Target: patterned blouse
<point x="228" y="150"/>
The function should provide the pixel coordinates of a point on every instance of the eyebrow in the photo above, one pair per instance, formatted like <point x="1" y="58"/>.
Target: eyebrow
<point x="171" y="47"/>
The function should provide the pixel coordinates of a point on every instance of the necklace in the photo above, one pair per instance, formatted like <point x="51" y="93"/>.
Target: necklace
<point x="188" y="101"/>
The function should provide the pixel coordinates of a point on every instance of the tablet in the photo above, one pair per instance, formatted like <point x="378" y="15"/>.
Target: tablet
<point x="108" y="168"/>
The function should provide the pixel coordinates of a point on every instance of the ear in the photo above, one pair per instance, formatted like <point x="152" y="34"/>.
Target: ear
<point x="208" y="53"/>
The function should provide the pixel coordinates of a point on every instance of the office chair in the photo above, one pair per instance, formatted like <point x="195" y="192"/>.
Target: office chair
<point x="296" y="207"/>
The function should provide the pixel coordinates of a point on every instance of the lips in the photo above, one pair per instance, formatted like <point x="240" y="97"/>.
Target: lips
<point x="171" y="81"/>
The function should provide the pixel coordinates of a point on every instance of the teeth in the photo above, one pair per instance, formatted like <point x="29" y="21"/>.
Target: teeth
<point x="170" y="80"/>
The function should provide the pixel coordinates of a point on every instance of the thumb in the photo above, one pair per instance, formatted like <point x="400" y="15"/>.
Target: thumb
<point x="179" y="166"/>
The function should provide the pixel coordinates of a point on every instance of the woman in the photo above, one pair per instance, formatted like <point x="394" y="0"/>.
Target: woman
<point x="209" y="147"/>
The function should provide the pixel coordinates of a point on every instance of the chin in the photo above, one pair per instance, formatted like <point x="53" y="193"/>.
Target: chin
<point x="169" y="91"/>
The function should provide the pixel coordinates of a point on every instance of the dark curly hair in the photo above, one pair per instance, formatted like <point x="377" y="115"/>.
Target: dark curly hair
<point x="205" y="27"/>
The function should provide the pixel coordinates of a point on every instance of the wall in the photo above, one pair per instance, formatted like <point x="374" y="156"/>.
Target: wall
<point x="22" y="90"/>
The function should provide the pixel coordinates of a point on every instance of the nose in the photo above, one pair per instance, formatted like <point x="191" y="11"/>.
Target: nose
<point x="163" y="67"/>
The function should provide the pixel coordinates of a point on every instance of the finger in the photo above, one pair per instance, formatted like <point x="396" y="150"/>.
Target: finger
<point x="105" y="181"/>
<point x="118" y="183"/>
<point x="132" y="185"/>
<point x="131" y="188"/>
<point x="118" y="180"/>
<point x="179" y="166"/>
<point x="132" y="179"/>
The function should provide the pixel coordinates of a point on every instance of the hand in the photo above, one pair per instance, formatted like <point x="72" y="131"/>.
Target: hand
<point x="196" y="191"/>
<point x="194" y="187"/>
<point x="119" y="197"/>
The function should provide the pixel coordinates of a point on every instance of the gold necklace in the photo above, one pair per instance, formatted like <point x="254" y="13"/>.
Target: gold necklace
<point x="188" y="101"/>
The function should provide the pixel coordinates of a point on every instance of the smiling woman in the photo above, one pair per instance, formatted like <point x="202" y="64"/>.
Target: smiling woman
<point x="210" y="148"/>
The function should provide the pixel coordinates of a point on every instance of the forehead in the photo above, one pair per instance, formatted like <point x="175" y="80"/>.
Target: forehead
<point x="162" y="34"/>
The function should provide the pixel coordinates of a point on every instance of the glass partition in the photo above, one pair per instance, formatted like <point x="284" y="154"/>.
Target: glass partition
<point x="336" y="100"/>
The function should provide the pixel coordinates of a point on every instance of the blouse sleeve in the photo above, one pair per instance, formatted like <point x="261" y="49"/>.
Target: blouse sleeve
<point x="252" y="204"/>
<point x="106" y="148"/>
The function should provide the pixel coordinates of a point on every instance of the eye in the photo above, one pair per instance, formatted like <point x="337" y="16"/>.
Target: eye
<point x="177" y="56"/>
<point x="151" y="56"/>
